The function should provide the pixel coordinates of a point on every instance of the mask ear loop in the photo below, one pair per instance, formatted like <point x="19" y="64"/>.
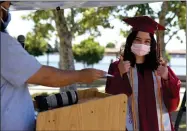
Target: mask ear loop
<point x="2" y="20"/>
<point x="4" y="10"/>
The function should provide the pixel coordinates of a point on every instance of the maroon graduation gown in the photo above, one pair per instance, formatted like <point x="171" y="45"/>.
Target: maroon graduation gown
<point x="148" y="120"/>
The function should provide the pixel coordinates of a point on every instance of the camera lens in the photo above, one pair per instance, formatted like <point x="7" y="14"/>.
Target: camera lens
<point x="57" y="100"/>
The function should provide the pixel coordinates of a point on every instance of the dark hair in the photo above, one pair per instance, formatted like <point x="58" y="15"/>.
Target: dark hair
<point x="151" y="61"/>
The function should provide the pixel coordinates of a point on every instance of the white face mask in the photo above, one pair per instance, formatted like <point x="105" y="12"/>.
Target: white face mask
<point x="140" y="49"/>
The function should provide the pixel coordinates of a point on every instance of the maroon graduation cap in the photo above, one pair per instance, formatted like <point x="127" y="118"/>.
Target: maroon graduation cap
<point x="143" y="23"/>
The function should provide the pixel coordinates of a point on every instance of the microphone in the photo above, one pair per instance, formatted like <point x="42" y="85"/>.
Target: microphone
<point x="21" y="40"/>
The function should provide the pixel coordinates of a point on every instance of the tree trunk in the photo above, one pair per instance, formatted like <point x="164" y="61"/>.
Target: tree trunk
<point x="47" y="58"/>
<point x="162" y="18"/>
<point x="66" y="61"/>
<point x="84" y="65"/>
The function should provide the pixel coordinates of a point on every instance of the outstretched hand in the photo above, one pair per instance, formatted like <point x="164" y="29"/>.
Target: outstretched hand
<point x="90" y="75"/>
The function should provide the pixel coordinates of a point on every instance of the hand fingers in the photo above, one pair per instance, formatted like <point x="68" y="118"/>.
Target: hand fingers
<point x="127" y="66"/>
<point x="158" y="71"/>
<point x="163" y="62"/>
<point x="161" y="68"/>
<point x="95" y="76"/>
<point x="126" y="62"/>
<point x="100" y="73"/>
<point x="121" y="58"/>
<point x="92" y="75"/>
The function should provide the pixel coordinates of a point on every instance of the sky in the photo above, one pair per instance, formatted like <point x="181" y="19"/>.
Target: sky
<point x="18" y="26"/>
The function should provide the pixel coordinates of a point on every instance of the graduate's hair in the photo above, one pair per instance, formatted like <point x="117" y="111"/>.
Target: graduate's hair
<point x="151" y="61"/>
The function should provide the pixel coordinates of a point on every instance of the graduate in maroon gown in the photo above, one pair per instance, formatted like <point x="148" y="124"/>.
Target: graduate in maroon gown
<point x="151" y="86"/>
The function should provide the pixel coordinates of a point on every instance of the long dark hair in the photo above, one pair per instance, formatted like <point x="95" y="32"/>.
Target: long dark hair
<point x="151" y="61"/>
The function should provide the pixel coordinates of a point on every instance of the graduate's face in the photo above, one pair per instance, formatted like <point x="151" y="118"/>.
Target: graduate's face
<point x="130" y="55"/>
<point x="142" y="38"/>
<point x="141" y="44"/>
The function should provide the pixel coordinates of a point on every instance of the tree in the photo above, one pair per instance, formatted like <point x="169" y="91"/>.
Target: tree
<point x="88" y="52"/>
<point x="68" y="25"/>
<point x="110" y="45"/>
<point x="172" y="14"/>
<point x="35" y="47"/>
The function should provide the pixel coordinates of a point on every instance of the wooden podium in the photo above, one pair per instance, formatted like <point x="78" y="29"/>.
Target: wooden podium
<point x="94" y="111"/>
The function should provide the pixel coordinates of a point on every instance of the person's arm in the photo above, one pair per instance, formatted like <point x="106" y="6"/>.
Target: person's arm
<point x="50" y="76"/>
<point x="35" y="104"/>
<point x="19" y="68"/>
<point x="171" y="91"/>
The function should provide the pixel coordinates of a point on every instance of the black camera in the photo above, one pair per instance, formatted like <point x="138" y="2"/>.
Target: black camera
<point x="56" y="100"/>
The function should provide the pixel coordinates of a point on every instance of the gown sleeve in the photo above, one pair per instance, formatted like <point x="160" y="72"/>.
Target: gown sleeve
<point x="171" y="91"/>
<point x="117" y="84"/>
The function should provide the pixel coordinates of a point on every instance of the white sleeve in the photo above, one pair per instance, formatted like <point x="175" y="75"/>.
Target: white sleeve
<point x="17" y="66"/>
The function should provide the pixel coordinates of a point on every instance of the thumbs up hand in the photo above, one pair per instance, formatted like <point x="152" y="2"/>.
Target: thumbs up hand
<point x="123" y="66"/>
<point x="163" y="70"/>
